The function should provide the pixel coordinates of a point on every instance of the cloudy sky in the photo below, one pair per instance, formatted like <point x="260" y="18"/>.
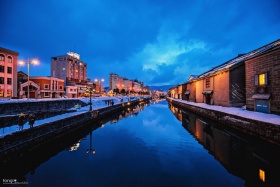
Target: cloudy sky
<point x="159" y="42"/>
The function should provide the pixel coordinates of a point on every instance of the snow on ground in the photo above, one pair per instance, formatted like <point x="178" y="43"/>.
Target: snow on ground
<point x="269" y="118"/>
<point x="97" y="103"/>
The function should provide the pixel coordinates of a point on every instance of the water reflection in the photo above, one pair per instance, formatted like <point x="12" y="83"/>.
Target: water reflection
<point x="254" y="161"/>
<point x="27" y="163"/>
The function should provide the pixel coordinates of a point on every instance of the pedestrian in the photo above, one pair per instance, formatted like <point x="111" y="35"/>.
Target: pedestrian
<point x="31" y="119"/>
<point x="112" y="102"/>
<point x="21" y="121"/>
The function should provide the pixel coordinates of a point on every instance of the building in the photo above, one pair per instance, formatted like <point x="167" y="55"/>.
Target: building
<point x="40" y="87"/>
<point x="263" y="80"/>
<point x="8" y="73"/>
<point x="224" y="85"/>
<point x="126" y="85"/>
<point x="70" y="68"/>
<point x="189" y="89"/>
<point x="116" y="81"/>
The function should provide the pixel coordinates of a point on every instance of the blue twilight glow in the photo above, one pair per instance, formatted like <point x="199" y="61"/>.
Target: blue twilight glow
<point x="157" y="42"/>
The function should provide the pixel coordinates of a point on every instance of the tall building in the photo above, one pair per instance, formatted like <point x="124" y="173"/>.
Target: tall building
<point x="115" y="81"/>
<point x="70" y="68"/>
<point x="73" y="71"/>
<point x="8" y="73"/>
<point x="118" y="82"/>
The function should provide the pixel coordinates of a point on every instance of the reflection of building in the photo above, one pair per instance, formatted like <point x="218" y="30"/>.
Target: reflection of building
<point x="75" y="146"/>
<point x="40" y="86"/>
<point x="8" y="73"/>
<point x="258" y="164"/>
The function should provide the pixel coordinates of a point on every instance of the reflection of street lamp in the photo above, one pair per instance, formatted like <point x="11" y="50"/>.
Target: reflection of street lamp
<point x="100" y="84"/>
<point x="33" y="61"/>
<point x="90" y="150"/>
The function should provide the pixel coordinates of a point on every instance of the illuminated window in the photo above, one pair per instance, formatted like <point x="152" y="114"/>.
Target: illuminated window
<point x="261" y="79"/>
<point x="262" y="175"/>
<point x="9" y="93"/>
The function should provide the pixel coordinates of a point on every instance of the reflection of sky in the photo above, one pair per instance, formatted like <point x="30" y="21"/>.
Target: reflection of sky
<point x="148" y="149"/>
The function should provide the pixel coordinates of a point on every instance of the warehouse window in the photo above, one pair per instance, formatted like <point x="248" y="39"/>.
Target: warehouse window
<point x="261" y="79"/>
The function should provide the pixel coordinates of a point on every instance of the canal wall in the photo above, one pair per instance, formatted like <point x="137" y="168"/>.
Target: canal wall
<point x="34" y="106"/>
<point x="6" y="121"/>
<point x="262" y="130"/>
<point x="23" y="141"/>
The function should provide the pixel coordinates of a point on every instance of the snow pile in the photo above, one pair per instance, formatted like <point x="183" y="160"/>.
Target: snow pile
<point x="97" y="103"/>
<point x="269" y="118"/>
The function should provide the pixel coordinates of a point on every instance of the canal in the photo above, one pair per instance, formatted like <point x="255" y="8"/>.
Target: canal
<point x="153" y="144"/>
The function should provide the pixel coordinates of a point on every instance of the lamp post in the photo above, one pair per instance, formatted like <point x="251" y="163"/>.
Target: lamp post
<point x="90" y="90"/>
<point x="33" y="61"/>
<point x="100" y="84"/>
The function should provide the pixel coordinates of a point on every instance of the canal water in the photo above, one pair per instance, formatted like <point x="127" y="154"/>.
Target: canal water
<point x="150" y="145"/>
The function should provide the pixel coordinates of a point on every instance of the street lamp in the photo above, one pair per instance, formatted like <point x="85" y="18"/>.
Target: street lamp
<point x="100" y="84"/>
<point x="90" y="90"/>
<point x="33" y="61"/>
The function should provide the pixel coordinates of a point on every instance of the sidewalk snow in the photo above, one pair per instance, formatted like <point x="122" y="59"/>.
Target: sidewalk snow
<point x="97" y="103"/>
<point x="269" y="118"/>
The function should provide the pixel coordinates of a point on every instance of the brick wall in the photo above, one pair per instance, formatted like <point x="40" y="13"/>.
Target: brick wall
<point x="267" y="63"/>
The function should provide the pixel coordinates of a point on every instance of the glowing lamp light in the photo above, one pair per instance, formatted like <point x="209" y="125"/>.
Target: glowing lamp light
<point x="262" y="175"/>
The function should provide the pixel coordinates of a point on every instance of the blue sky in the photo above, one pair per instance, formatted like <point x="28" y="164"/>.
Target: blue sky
<point x="157" y="42"/>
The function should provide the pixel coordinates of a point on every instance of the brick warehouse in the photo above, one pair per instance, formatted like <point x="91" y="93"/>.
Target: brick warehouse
<point x="263" y="81"/>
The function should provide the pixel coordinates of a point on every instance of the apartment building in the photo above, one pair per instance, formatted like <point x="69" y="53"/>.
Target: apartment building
<point x="8" y="73"/>
<point x="72" y="70"/>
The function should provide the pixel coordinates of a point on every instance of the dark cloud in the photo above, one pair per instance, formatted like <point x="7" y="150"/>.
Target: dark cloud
<point x="156" y="42"/>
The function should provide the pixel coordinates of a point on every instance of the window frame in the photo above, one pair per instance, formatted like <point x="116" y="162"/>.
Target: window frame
<point x="46" y="86"/>
<point x="258" y="80"/>
<point x="10" y="59"/>
<point x="9" y="81"/>
<point x="207" y="83"/>
<point x="9" y="70"/>
<point x="2" y="80"/>
<point x="2" y="69"/>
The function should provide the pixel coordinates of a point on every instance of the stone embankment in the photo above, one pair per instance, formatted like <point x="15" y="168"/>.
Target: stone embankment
<point x="258" y="129"/>
<point x="34" y="106"/>
<point x="23" y="141"/>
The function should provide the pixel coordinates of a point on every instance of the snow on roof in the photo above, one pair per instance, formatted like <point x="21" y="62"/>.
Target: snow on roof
<point x="269" y="118"/>
<point x="241" y="58"/>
